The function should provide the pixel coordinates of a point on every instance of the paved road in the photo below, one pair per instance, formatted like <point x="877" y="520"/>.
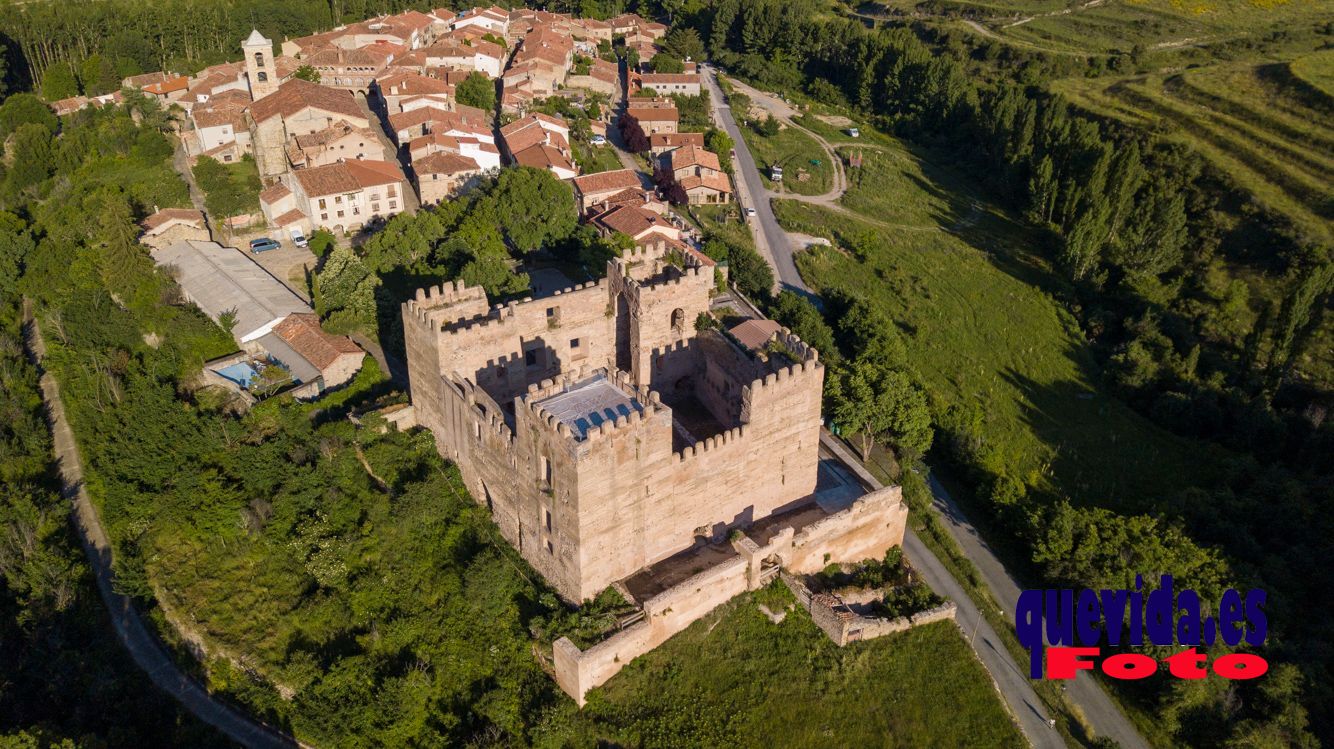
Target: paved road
<point x="1009" y="678"/>
<point x="770" y="239"/>
<point x="1102" y="714"/>
<point x="134" y="636"/>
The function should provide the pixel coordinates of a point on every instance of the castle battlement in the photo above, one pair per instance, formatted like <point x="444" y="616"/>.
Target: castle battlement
<point x="715" y="442"/>
<point x="440" y="299"/>
<point x="490" y="419"/>
<point x="588" y="407"/>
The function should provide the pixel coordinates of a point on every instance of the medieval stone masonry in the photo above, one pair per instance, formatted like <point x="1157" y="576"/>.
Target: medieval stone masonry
<point x="610" y="439"/>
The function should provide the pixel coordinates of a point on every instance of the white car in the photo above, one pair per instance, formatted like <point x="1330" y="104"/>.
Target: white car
<point x="598" y="140"/>
<point x="750" y="212"/>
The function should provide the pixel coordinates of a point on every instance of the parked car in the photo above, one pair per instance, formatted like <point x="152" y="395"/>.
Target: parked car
<point x="263" y="244"/>
<point x="854" y="132"/>
<point x="298" y="238"/>
<point x="598" y="140"/>
<point x="750" y="212"/>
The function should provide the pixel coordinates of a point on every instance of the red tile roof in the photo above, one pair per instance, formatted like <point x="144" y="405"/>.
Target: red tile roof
<point x="295" y="95"/>
<point x="303" y="333"/>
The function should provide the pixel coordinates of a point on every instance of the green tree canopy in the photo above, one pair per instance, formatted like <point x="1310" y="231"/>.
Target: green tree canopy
<point x="477" y="90"/>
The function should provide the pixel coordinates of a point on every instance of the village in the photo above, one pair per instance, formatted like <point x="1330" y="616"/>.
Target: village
<point x="347" y="128"/>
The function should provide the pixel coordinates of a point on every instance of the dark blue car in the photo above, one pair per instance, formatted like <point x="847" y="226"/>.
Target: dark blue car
<point x="263" y="244"/>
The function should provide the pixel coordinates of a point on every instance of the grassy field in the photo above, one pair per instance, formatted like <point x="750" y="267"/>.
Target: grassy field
<point x="794" y="150"/>
<point x="737" y="679"/>
<point x="1316" y="70"/>
<point x="1097" y="27"/>
<point x="980" y="324"/>
<point x="1258" y="133"/>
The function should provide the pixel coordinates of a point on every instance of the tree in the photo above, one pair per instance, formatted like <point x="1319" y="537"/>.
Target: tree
<point x="767" y="126"/>
<point x="31" y="151"/>
<point x="667" y="64"/>
<point x="98" y="76"/>
<point x="224" y="196"/>
<point x="59" y="82"/>
<point x="683" y="42"/>
<point x="477" y="91"/>
<point x="307" y="73"/>
<point x="533" y="208"/>
<point x="345" y="291"/>
<point x="720" y="143"/>
<point x="869" y="400"/>
<point x="21" y="109"/>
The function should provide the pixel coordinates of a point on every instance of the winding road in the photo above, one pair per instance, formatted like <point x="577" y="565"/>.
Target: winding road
<point x="144" y="647"/>
<point x="772" y="242"/>
<point x="1011" y="680"/>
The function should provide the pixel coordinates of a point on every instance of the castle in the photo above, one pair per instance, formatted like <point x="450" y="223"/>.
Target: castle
<point x="610" y="436"/>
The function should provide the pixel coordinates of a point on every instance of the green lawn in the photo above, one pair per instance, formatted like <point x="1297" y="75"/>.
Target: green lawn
<point x="794" y="150"/>
<point x="975" y="306"/>
<point x="737" y="679"/>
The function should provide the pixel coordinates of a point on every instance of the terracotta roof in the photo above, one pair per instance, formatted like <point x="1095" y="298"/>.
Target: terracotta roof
<point x="291" y="217"/>
<point x="619" y="179"/>
<point x="444" y="162"/>
<point x="370" y="56"/>
<point x="346" y="176"/>
<point x="273" y="193"/>
<point x="544" y="157"/>
<point x="439" y="140"/>
<point x="144" y="79"/>
<point x="295" y="95"/>
<point x="628" y="196"/>
<point x="716" y="182"/>
<point x="418" y="116"/>
<point x="675" y="140"/>
<point x="302" y="332"/>
<point x="692" y="155"/>
<point x="653" y="114"/>
<point x="754" y="334"/>
<point x="162" y="88"/>
<point x="370" y="173"/>
<point x="411" y="84"/>
<point x="172" y="214"/>
<point x="631" y="220"/>
<point x="330" y="134"/>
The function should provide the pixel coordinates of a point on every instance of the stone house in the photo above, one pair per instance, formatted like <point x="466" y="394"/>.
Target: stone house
<point x="296" y="108"/>
<point x="593" y="189"/>
<point x="220" y="127"/>
<point x="171" y="225"/>
<point x="353" y="69"/>
<point x="698" y="175"/>
<point x="485" y="154"/>
<point x="340" y="141"/>
<point x="444" y="174"/>
<point x="397" y="88"/>
<point x="344" y="196"/>
<point x="492" y="20"/>
<point x="653" y="120"/>
<point x="661" y="143"/>
<point x="336" y="358"/>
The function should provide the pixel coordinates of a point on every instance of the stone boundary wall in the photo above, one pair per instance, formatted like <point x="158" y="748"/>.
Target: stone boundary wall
<point x="831" y="614"/>
<point x="865" y="530"/>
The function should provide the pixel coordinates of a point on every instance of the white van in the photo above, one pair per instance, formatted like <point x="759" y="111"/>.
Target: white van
<point x="298" y="238"/>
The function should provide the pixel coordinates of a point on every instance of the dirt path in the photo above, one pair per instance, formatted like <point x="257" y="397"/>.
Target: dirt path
<point x="147" y="652"/>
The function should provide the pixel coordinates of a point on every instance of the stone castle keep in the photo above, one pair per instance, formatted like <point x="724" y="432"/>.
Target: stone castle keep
<point x="611" y="441"/>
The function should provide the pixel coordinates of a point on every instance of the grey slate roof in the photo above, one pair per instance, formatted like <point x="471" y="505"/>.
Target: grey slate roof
<point x="219" y="279"/>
